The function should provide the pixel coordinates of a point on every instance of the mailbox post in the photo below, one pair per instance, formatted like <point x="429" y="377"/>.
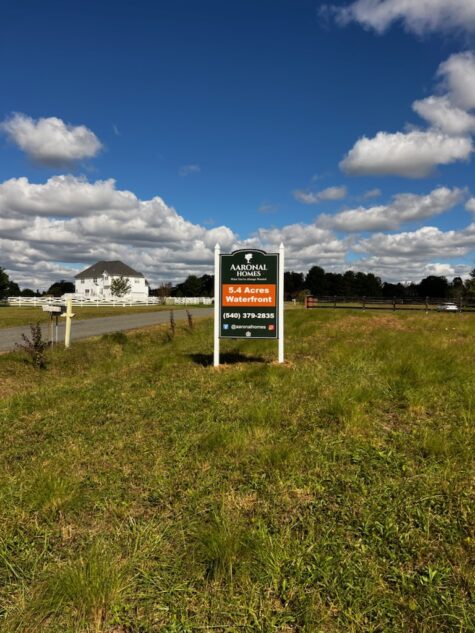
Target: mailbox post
<point x="54" y="311"/>
<point x="68" y="315"/>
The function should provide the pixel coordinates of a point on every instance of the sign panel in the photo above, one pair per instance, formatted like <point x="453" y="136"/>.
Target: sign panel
<point x="249" y="294"/>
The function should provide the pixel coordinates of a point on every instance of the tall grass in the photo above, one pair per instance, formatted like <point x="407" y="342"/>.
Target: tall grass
<point x="143" y="490"/>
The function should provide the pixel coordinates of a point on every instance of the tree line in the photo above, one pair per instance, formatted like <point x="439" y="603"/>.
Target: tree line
<point x="319" y="283"/>
<point x="316" y="282"/>
<point x="9" y="288"/>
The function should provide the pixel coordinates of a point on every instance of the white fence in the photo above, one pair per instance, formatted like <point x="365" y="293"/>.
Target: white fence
<point x="102" y="302"/>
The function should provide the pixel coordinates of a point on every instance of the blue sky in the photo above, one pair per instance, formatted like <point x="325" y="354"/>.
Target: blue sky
<point x="147" y="131"/>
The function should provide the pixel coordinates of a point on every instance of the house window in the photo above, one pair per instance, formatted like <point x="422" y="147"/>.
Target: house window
<point x="82" y="281"/>
<point x="136" y="281"/>
<point x="95" y="281"/>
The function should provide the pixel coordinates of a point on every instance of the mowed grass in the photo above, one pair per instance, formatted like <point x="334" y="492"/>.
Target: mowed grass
<point x="143" y="490"/>
<point x="11" y="316"/>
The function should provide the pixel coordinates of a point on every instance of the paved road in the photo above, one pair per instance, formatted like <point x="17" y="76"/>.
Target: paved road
<point x="86" y="328"/>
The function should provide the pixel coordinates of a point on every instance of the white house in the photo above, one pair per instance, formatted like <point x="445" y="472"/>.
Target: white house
<point x="96" y="280"/>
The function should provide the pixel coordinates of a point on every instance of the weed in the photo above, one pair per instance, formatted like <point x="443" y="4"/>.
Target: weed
<point x="189" y="317"/>
<point x="81" y="594"/>
<point x="120" y="338"/>
<point x="220" y="546"/>
<point x="172" y="325"/>
<point x="35" y="346"/>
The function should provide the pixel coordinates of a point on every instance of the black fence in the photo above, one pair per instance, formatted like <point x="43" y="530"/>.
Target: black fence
<point x="426" y="304"/>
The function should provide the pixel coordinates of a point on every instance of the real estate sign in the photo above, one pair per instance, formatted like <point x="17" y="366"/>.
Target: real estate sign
<point x="249" y="296"/>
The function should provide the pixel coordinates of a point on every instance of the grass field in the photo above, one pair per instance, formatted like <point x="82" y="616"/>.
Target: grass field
<point x="142" y="490"/>
<point x="10" y="316"/>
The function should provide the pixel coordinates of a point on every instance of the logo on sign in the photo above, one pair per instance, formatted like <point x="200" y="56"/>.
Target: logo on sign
<point x="248" y="257"/>
<point x="226" y="326"/>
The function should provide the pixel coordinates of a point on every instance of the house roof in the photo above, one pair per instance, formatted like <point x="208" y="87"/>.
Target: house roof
<point x="115" y="268"/>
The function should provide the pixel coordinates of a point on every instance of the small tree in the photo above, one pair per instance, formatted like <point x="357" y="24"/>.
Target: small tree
<point x="120" y="286"/>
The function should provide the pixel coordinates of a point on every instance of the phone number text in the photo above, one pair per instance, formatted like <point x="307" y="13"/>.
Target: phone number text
<point x="248" y="315"/>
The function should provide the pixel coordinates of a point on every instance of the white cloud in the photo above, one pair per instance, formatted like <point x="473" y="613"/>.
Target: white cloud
<point x="403" y="269"/>
<point x="372" y="193"/>
<point x="267" y="207"/>
<point x="405" y="207"/>
<point x="186" y="170"/>
<point x="416" y="153"/>
<point x="457" y="76"/>
<point x="68" y="219"/>
<point x="66" y="196"/>
<point x="314" y="197"/>
<point x="413" y="155"/>
<point x="305" y="244"/>
<point x="417" y="16"/>
<point x="426" y="242"/>
<point x="470" y="205"/>
<point x="50" y="141"/>
<point x="443" y="115"/>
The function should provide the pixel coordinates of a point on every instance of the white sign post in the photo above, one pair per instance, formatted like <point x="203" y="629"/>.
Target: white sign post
<point x="248" y="297"/>
<point x="281" y="303"/>
<point x="217" y="294"/>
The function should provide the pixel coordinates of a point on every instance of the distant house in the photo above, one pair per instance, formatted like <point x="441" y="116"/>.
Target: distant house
<point x="96" y="280"/>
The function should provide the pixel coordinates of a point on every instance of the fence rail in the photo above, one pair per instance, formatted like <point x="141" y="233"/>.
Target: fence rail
<point x="425" y="304"/>
<point x="101" y="302"/>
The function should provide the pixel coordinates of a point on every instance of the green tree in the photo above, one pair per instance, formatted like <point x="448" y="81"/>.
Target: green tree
<point x="4" y="283"/>
<point x="334" y="284"/>
<point x="120" y="286"/>
<point x="28" y="292"/>
<point x="393" y="290"/>
<point x="194" y="286"/>
<point x="470" y="286"/>
<point x="456" y="288"/>
<point x="293" y="284"/>
<point x="434" y="287"/>
<point x="315" y="281"/>
<point x="13" y="289"/>
<point x="59" y="288"/>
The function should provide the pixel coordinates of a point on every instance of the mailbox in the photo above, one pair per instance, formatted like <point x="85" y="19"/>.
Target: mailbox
<point x="54" y="309"/>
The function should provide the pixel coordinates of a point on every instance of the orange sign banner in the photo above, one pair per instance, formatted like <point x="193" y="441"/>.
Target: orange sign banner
<point x="248" y="295"/>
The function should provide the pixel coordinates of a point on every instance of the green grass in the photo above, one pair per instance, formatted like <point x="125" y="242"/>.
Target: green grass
<point x="11" y="316"/>
<point x="142" y="490"/>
